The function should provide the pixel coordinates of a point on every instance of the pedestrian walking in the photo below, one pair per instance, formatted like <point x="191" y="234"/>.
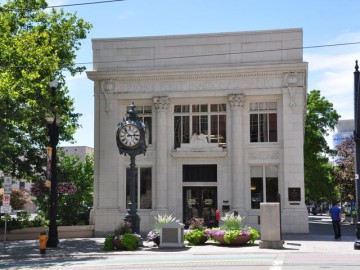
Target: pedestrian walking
<point x="335" y="213"/>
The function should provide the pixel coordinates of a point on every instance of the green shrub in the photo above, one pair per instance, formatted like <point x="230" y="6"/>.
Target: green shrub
<point x="129" y="241"/>
<point x="195" y="236"/>
<point x="108" y="243"/>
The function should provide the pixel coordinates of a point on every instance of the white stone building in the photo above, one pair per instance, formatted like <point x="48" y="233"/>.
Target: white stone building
<point x="226" y="114"/>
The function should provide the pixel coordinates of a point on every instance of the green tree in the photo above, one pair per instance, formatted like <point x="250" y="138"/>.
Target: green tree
<point x="320" y="119"/>
<point x="37" y="45"/>
<point x="18" y="198"/>
<point x="75" y="190"/>
<point x="344" y="173"/>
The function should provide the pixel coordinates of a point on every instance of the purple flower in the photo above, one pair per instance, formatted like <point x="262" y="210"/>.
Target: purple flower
<point x="218" y="232"/>
<point x="245" y="232"/>
<point x="67" y="188"/>
<point x="38" y="189"/>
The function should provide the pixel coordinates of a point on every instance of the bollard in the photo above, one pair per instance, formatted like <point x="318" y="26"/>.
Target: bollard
<point x="43" y="238"/>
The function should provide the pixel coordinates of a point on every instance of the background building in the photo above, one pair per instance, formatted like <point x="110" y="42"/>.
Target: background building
<point x="344" y="129"/>
<point x="226" y="118"/>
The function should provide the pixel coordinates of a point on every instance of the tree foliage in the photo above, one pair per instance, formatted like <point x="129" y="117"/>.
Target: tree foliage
<point x="18" y="198"/>
<point x="344" y="173"/>
<point x="37" y="45"/>
<point x="73" y="208"/>
<point x="320" y="119"/>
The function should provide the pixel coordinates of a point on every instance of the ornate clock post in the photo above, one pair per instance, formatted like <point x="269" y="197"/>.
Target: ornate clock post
<point x="131" y="139"/>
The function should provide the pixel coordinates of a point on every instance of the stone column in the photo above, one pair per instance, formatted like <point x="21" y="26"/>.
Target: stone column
<point x="161" y="153"/>
<point x="237" y="151"/>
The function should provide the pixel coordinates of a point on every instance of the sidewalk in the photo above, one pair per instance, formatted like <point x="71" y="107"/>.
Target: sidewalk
<point x="319" y="240"/>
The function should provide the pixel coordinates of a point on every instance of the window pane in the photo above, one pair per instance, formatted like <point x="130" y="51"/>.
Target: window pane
<point x="214" y="108"/>
<point x="185" y="108"/>
<point x="214" y="129"/>
<point x="262" y="106"/>
<point x="177" y="109"/>
<point x="263" y="135"/>
<point x="145" y="188"/>
<point x="272" y="105"/>
<point x="256" y="171"/>
<point x="203" y="107"/>
<point x="147" y="109"/>
<point x="272" y="127"/>
<point x="177" y="131"/>
<point x="271" y="171"/>
<point x="204" y="126"/>
<point x="254" y="128"/>
<point x="196" y="124"/>
<point x="222" y="130"/>
<point x="195" y="108"/>
<point x="254" y="106"/>
<point x="185" y="129"/>
<point x="222" y="107"/>
<point x="271" y="189"/>
<point x="256" y="192"/>
<point x="148" y="122"/>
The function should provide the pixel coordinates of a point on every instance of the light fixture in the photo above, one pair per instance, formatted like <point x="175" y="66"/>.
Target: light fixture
<point x="54" y="84"/>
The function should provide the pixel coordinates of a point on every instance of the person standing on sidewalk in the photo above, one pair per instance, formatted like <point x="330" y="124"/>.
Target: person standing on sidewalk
<point x="335" y="213"/>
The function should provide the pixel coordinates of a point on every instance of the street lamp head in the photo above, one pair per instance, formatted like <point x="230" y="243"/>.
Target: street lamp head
<point x="49" y="119"/>
<point x="54" y="84"/>
<point x="57" y="119"/>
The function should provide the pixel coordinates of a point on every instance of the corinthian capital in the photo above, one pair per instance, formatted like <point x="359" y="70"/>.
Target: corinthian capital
<point x="161" y="103"/>
<point x="237" y="101"/>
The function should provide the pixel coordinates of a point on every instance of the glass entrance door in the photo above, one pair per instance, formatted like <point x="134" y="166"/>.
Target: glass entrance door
<point x="200" y="202"/>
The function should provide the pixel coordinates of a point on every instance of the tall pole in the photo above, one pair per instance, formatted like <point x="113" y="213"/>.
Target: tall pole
<point x="133" y="217"/>
<point x="357" y="150"/>
<point x="54" y="139"/>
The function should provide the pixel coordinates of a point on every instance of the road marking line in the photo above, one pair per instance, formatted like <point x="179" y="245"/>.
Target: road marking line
<point x="278" y="262"/>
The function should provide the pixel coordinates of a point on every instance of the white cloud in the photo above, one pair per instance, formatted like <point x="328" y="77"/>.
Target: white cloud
<point x="331" y="70"/>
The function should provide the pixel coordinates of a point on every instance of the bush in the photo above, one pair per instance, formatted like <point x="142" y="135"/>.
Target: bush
<point x="18" y="198"/>
<point x="129" y="241"/>
<point x="195" y="236"/>
<point x="108" y="243"/>
<point x="22" y="221"/>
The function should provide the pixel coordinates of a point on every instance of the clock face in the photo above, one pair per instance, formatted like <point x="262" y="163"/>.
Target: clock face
<point x="129" y="135"/>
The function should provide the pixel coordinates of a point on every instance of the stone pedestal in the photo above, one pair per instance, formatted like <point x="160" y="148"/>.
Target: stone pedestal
<point x="270" y="227"/>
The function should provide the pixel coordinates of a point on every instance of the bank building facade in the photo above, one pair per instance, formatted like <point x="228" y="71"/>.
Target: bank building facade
<point x="225" y="114"/>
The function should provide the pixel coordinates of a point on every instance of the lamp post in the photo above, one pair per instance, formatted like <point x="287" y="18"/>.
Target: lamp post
<point x="53" y="124"/>
<point x="357" y="149"/>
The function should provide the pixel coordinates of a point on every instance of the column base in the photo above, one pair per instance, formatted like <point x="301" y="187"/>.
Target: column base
<point x="357" y="244"/>
<point x="271" y="244"/>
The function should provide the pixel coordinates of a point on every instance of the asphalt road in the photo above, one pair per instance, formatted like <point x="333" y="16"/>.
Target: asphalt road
<point x="317" y="250"/>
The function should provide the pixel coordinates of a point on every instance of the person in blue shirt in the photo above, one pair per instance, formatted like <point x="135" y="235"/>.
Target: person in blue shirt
<point x="335" y="213"/>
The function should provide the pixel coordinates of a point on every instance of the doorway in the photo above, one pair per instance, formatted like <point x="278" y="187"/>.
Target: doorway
<point x="200" y="202"/>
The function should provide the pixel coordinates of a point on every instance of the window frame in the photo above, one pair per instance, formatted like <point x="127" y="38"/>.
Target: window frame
<point x="138" y="183"/>
<point x="264" y="184"/>
<point x="143" y="113"/>
<point x="190" y="114"/>
<point x="266" y="113"/>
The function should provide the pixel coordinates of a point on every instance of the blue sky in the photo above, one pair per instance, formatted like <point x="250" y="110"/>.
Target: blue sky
<point x="323" y="22"/>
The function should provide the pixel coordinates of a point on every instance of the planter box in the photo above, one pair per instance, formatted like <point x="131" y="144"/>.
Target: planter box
<point x="64" y="232"/>
<point x="240" y="240"/>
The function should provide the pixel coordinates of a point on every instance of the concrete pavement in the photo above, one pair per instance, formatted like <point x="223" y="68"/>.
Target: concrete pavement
<point x="319" y="240"/>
